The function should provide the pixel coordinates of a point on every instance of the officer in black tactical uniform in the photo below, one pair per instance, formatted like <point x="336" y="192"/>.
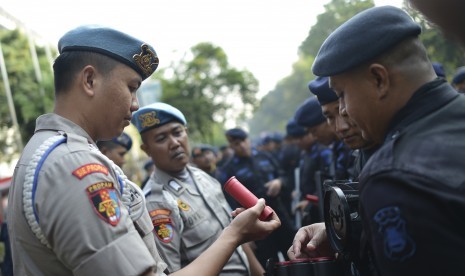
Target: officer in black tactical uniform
<point x="261" y="174"/>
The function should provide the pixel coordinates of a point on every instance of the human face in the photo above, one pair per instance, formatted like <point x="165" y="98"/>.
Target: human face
<point x="168" y="146"/>
<point x="358" y="98"/>
<point x="306" y="141"/>
<point x="323" y="133"/>
<point x="116" y="154"/>
<point x="345" y="129"/>
<point x="116" y="101"/>
<point x="203" y="161"/>
<point x="240" y="147"/>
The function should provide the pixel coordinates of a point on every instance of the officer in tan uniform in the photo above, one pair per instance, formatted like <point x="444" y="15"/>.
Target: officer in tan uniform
<point x="186" y="205"/>
<point x="72" y="211"/>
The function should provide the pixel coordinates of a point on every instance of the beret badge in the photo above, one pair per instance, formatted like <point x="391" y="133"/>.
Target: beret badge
<point x="147" y="60"/>
<point x="149" y="119"/>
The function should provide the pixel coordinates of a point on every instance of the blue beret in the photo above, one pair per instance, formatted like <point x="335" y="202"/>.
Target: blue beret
<point x="236" y="133"/>
<point x="123" y="140"/>
<point x="320" y="88"/>
<point x="365" y="36"/>
<point x="155" y="115"/>
<point x="309" y="113"/>
<point x="459" y="76"/>
<point x="439" y="69"/>
<point x="293" y="129"/>
<point x="124" y="48"/>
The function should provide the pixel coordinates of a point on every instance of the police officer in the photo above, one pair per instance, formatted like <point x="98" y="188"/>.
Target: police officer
<point x="186" y="205"/>
<point x="204" y="158"/>
<point x="116" y="148"/>
<point x="71" y="210"/>
<point x="316" y="162"/>
<point x="261" y="174"/>
<point x="347" y="131"/>
<point x="389" y="88"/>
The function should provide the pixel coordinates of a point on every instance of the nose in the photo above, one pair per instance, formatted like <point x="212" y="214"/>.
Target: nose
<point x="134" y="103"/>
<point x="341" y="124"/>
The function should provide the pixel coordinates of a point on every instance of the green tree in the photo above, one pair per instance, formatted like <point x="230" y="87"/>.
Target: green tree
<point x="279" y="105"/>
<point x="208" y="90"/>
<point x="336" y="13"/>
<point x="25" y="89"/>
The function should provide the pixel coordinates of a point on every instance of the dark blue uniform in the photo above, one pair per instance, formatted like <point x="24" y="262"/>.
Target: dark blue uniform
<point x="421" y="165"/>
<point x="254" y="172"/>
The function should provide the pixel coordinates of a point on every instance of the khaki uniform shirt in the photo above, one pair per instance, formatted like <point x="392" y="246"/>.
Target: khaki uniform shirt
<point x="79" y="211"/>
<point x="187" y="219"/>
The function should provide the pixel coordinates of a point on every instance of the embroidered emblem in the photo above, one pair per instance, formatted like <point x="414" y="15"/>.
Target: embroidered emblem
<point x="146" y="60"/>
<point x="103" y="197"/>
<point x="183" y="206"/>
<point x="87" y="169"/>
<point x="164" y="231"/>
<point x="158" y="212"/>
<point x="175" y="185"/>
<point x="398" y="245"/>
<point x="149" y="119"/>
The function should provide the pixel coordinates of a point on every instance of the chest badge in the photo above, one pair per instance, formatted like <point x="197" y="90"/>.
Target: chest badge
<point x="183" y="206"/>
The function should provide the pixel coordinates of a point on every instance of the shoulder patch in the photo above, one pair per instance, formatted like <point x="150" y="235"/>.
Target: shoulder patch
<point x="162" y="224"/>
<point x="105" y="201"/>
<point x="87" y="169"/>
<point x="398" y="245"/>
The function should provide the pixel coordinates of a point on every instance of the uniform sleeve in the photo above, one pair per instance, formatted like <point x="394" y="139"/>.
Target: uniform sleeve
<point x="167" y="231"/>
<point x="84" y="220"/>
<point x="412" y="225"/>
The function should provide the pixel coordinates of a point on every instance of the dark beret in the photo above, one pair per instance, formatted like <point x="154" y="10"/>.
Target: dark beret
<point x="120" y="46"/>
<point x="155" y="115"/>
<point x="365" y="36"/>
<point x="293" y="129"/>
<point x="236" y="133"/>
<point x="148" y="164"/>
<point x="320" y="88"/>
<point x="200" y="149"/>
<point x="309" y="113"/>
<point x="459" y="76"/>
<point x="439" y="69"/>
<point x="123" y="140"/>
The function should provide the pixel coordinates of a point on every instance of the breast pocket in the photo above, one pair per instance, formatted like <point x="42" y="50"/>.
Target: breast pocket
<point x="199" y="233"/>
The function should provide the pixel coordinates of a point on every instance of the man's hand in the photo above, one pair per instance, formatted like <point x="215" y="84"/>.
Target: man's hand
<point x="274" y="187"/>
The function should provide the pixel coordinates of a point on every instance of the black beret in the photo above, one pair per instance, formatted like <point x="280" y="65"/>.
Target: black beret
<point x="200" y="149"/>
<point x="123" y="140"/>
<point x="120" y="46"/>
<point x="320" y="88"/>
<point x="294" y="130"/>
<point x="459" y="76"/>
<point x="236" y="133"/>
<point x="365" y="36"/>
<point x="309" y="113"/>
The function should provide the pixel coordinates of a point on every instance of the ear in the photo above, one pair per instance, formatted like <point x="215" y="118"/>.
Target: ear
<point x="87" y="80"/>
<point x="380" y="77"/>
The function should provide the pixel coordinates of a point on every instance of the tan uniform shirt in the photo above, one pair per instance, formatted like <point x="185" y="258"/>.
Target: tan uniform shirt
<point x="79" y="209"/>
<point x="187" y="219"/>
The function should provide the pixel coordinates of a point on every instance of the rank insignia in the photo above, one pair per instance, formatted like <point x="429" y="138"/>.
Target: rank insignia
<point x="183" y="206"/>
<point x="163" y="228"/>
<point x="105" y="201"/>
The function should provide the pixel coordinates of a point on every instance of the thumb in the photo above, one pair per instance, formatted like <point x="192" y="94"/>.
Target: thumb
<point x="259" y="206"/>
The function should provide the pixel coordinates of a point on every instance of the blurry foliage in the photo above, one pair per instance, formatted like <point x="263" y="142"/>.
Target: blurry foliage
<point x="205" y="88"/>
<point x="25" y="89"/>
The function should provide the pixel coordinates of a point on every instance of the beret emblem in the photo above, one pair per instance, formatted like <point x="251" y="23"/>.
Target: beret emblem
<point x="149" y="119"/>
<point x="146" y="59"/>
